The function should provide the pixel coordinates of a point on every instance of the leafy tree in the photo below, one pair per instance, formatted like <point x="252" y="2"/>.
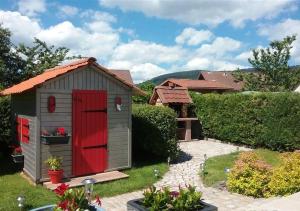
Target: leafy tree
<point x="148" y="87"/>
<point x="271" y="63"/>
<point x="18" y="63"/>
<point x="10" y="62"/>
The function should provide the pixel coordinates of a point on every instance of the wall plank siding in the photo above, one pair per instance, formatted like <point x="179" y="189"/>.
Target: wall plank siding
<point x="24" y="106"/>
<point x="119" y="125"/>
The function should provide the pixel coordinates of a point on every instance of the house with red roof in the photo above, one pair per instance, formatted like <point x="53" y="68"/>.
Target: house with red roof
<point x="81" y="112"/>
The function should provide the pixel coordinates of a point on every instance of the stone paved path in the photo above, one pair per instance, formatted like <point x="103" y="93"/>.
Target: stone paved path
<point x="187" y="172"/>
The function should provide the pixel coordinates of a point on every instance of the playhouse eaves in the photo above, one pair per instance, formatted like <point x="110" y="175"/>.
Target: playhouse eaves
<point x="60" y="70"/>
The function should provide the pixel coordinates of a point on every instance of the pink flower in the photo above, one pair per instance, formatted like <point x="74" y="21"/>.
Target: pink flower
<point x="98" y="201"/>
<point x="174" y="194"/>
<point x="60" y="190"/>
<point x="63" y="205"/>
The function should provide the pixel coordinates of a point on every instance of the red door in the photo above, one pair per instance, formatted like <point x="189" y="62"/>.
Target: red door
<point x="89" y="132"/>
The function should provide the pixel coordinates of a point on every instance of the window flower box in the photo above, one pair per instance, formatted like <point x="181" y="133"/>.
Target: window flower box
<point x="137" y="205"/>
<point x="18" y="158"/>
<point x="17" y="155"/>
<point x="49" y="140"/>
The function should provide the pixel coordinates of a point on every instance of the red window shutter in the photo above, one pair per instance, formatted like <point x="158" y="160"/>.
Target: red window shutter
<point x="18" y="129"/>
<point x="25" y="130"/>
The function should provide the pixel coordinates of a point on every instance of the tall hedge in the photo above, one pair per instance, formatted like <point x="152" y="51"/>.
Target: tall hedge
<point x="5" y="123"/>
<point x="270" y="120"/>
<point x="153" y="132"/>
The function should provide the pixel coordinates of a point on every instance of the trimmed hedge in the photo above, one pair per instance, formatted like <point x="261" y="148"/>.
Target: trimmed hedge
<point x="270" y="120"/>
<point x="153" y="132"/>
<point x="5" y="123"/>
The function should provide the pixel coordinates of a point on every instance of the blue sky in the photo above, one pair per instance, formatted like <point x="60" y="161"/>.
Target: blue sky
<point x="154" y="37"/>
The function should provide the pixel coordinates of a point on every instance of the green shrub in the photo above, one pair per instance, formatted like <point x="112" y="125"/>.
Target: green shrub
<point x="164" y="199"/>
<point x="286" y="177"/>
<point x="268" y="120"/>
<point x="249" y="176"/>
<point x="154" y="132"/>
<point x="5" y="123"/>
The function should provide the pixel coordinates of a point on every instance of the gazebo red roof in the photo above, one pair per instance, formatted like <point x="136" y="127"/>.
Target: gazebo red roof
<point x="170" y="95"/>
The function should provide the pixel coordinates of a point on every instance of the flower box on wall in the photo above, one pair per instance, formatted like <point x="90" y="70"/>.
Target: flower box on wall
<point x="136" y="205"/>
<point x="48" y="140"/>
<point x="18" y="158"/>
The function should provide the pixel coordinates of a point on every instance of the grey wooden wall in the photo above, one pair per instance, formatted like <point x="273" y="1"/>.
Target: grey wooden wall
<point x="119" y="123"/>
<point x="24" y="105"/>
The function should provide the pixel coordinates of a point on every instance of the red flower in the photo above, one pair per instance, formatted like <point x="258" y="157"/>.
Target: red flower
<point x="60" y="190"/>
<point x="98" y="201"/>
<point x="174" y="194"/>
<point x="18" y="150"/>
<point x="63" y="205"/>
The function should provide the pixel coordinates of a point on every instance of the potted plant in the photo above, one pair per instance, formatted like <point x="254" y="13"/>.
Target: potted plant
<point x="60" y="136"/>
<point x="17" y="155"/>
<point x="55" y="172"/>
<point x="185" y="199"/>
<point x="72" y="200"/>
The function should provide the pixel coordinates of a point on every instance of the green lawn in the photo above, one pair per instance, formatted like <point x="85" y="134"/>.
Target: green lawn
<point x="12" y="185"/>
<point x="214" y="168"/>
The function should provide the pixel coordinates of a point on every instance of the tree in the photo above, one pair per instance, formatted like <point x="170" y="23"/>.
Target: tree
<point x="148" y="87"/>
<point x="10" y="62"/>
<point x="273" y="72"/>
<point x="18" y="63"/>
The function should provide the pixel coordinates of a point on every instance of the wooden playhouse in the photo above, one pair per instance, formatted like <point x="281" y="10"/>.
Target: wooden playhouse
<point x="91" y="103"/>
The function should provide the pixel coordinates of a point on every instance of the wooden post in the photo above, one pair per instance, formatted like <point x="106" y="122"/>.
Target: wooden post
<point x="188" y="130"/>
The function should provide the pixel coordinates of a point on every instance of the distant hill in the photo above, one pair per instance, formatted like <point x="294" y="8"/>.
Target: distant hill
<point x="193" y="74"/>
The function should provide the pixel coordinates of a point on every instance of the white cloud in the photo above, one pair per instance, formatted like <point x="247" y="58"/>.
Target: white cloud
<point x="67" y="11"/>
<point x="140" y="72"/>
<point x="209" y="12"/>
<point x="219" y="47"/>
<point x="244" y="56"/>
<point x="211" y="64"/>
<point x="31" y="7"/>
<point x="141" y="51"/>
<point x="17" y="24"/>
<point x="282" y="29"/>
<point x="191" y="36"/>
<point x="81" y="41"/>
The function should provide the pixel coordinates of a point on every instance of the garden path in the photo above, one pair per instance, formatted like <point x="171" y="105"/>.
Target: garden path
<point x="187" y="172"/>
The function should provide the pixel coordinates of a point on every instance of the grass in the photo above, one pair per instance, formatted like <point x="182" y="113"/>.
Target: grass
<point x="12" y="185"/>
<point x="214" y="167"/>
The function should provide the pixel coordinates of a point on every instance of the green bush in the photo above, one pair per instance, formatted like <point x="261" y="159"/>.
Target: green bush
<point x="5" y="123"/>
<point x="286" y="177"/>
<point x="249" y="176"/>
<point x="268" y="120"/>
<point x="164" y="199"/>
<point x="154" y="132"/>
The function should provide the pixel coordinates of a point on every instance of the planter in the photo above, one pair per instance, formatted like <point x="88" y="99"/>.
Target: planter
<point x="18" y="158"/>
<point x="48" y="140"/>
<point x="136" y="205"/>
<point x="55" y="176"/>
<point x="51" y="208"/>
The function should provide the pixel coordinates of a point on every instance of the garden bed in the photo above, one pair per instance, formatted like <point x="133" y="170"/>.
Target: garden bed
<point x="214" y="168"/>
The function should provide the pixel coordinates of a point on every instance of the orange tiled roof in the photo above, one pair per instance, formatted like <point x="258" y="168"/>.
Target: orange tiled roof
<point x="170" y="95"/>
<point x="198" y="84"/>
<point x="60" y="70"/>
<point x="124" y="74"/>
<point x="222" y="77"/>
